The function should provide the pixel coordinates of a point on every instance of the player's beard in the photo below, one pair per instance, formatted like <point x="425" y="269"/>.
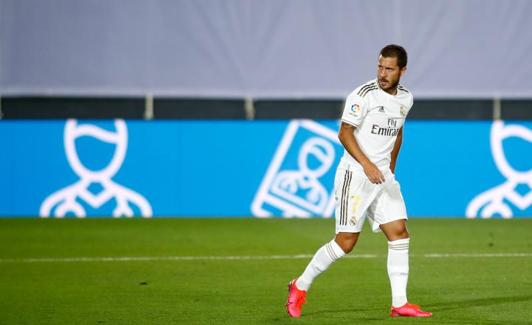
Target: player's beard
<point x="392" y="85"/>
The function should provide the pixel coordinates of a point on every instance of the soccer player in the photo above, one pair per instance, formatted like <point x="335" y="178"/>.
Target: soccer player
<point x="365" y="186"/>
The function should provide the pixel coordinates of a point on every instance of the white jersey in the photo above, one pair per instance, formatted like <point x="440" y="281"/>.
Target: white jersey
<point x="378" y="117"/>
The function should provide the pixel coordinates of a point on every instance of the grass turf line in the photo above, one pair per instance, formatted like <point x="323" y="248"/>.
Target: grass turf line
<point x="480" y="290"/>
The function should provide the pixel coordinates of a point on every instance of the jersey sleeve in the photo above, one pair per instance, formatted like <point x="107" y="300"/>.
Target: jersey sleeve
<point x="410" y="105"/>
<point x="355" y="110"/>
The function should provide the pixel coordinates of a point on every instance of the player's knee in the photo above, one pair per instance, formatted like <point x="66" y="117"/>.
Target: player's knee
<point x="346" y="242"/>
<point x="348" y="247"/>
<point x="400" y="233"/>
<point x="395" y="230"/>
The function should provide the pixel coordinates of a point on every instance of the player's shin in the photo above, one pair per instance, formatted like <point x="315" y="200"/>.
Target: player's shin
<point x="398" y="270"/>
<point x="324" y="257"/>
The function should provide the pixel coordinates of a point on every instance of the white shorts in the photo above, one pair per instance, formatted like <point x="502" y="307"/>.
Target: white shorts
<point x="358" y="198"/>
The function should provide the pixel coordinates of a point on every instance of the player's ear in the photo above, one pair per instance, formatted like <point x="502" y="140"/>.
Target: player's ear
<point x="403" y="71"/>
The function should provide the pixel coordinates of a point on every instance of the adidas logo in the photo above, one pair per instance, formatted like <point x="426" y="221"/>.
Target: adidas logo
<point x="381" y="109"/>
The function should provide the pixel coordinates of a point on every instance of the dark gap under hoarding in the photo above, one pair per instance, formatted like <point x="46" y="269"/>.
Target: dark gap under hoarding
<point x="90" y="168"/>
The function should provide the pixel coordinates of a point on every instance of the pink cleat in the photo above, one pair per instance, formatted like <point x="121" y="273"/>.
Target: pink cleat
<point x="296" y="299"/>
<point x="409" y="310"/>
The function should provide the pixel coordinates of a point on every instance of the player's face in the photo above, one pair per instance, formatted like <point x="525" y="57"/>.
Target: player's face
<point x="389" y="74"/>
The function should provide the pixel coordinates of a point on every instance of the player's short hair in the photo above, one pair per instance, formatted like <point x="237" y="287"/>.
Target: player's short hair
<point x="395" y="51"/>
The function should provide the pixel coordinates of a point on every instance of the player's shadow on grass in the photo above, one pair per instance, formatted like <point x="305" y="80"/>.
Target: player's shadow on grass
<point x="434" y="307"/>
<point x="476" y="302"/>
<point x="342" y="311"/>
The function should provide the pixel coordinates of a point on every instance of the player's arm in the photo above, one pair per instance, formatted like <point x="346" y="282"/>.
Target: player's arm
<point x="395" y="150"/>
<point x="348" y="140"/>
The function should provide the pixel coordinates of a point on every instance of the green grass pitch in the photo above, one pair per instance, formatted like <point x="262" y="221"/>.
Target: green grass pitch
<point x="56" y="272"/>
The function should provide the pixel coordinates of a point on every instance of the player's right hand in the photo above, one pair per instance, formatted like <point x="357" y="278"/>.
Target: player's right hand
<point x="373" y="173"/>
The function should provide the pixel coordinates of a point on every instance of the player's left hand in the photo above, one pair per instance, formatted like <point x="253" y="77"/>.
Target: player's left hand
<point x="373" y="173"/>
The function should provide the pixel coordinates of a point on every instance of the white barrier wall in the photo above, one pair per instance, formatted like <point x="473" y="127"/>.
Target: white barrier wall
<point x="261" y="49"/>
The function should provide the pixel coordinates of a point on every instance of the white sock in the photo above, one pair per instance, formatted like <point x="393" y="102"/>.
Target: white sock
<point x="398" y="270"/>
<point x="324" y="257"/>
